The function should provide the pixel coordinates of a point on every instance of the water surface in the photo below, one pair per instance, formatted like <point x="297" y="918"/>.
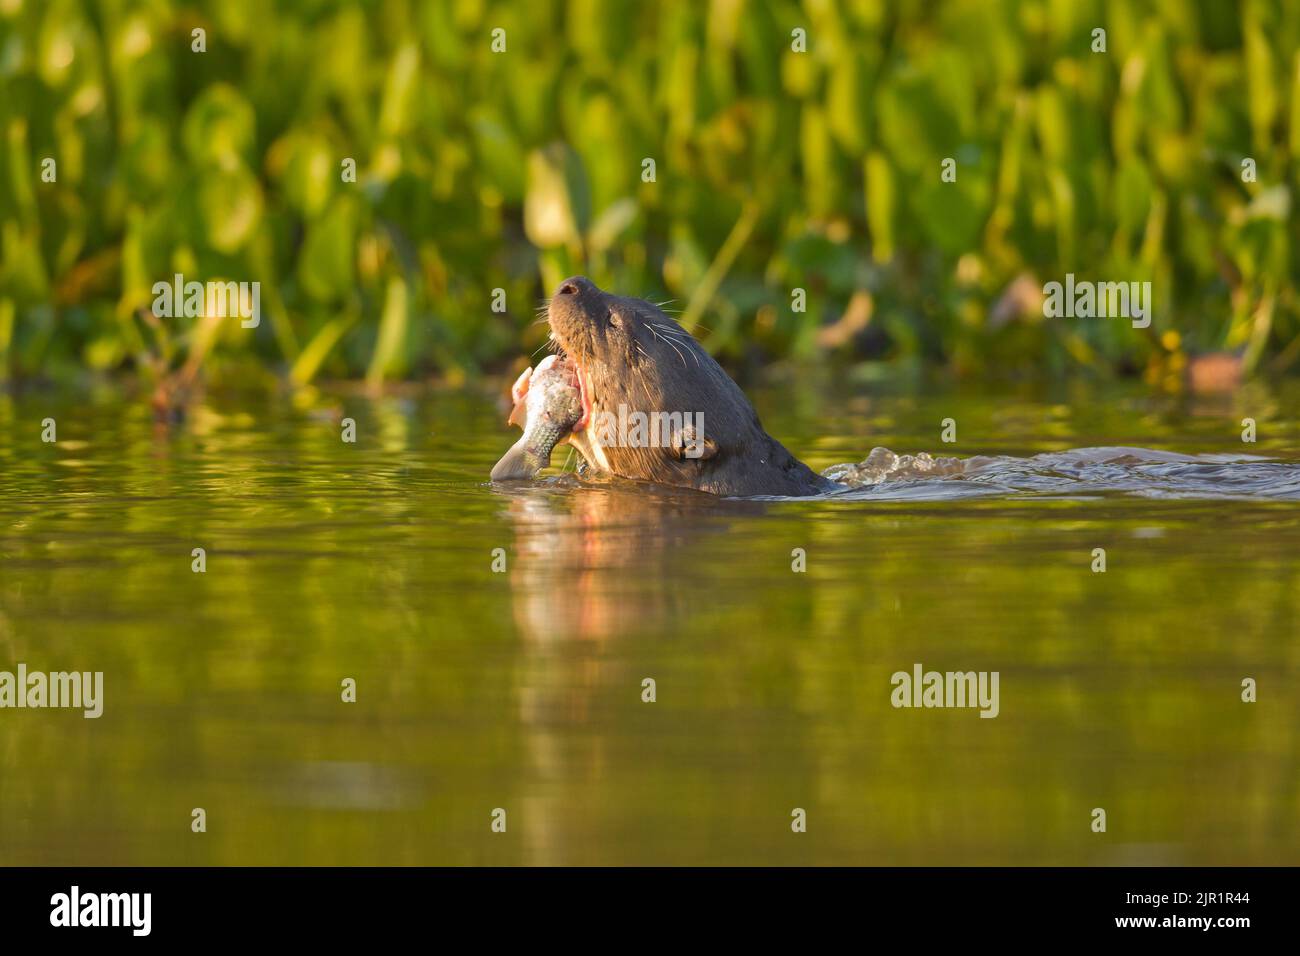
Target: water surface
<point x="522" y="690"/>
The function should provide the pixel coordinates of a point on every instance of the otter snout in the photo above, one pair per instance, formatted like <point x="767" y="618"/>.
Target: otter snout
<point x="577" y="285"/>
<point x="574" y="314"/>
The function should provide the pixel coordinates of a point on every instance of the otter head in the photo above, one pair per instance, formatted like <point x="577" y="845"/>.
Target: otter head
<point x="657" y="407"/>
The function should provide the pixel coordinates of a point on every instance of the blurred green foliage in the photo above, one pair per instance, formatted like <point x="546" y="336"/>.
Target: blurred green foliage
<point x="774" y="170"/>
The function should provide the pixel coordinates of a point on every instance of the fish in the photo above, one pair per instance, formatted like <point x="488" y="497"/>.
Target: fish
<point x="548" y="406"/>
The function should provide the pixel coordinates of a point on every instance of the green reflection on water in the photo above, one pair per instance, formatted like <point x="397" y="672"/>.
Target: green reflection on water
<point x="522" y="690"/>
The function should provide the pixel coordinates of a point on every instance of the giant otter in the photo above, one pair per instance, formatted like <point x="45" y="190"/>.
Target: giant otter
<point x="631" y="359"/>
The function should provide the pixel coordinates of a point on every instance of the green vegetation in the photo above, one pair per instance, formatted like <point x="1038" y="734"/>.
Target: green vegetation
<point x="775" y="170"/>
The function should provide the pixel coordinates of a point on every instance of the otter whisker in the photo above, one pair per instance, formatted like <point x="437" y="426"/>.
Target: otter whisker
<point x="676" y="330"/>
<point x="694" y="354"/>
<point x="671" y="335"/>
<point x="668" y="341"/>
<point x="654" y="331"/>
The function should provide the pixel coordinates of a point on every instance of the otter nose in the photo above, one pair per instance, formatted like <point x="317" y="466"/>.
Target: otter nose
<point x="577" y="285"/>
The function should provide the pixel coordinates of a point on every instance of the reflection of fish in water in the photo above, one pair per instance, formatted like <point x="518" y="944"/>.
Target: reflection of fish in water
<point x="548" y="403"/>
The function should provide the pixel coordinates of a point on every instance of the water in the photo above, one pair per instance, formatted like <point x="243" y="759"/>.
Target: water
<point x="1074" y="473"/>
<point x="522" y="690"/>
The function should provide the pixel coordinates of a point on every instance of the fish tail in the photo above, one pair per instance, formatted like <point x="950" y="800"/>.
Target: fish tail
<point x="529" y="455"/>
<point x="519" y="462"/>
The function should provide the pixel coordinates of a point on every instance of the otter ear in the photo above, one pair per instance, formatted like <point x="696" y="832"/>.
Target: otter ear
<point x="689" y="446"/>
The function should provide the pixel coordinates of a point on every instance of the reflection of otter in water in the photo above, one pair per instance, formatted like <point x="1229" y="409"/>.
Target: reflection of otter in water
<point x="633" y="359"/>
<point x="598" y="581"/>
<point x="604" y="562"/>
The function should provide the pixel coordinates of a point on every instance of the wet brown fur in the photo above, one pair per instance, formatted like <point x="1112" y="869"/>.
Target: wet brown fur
<point x="637" y="356"/>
